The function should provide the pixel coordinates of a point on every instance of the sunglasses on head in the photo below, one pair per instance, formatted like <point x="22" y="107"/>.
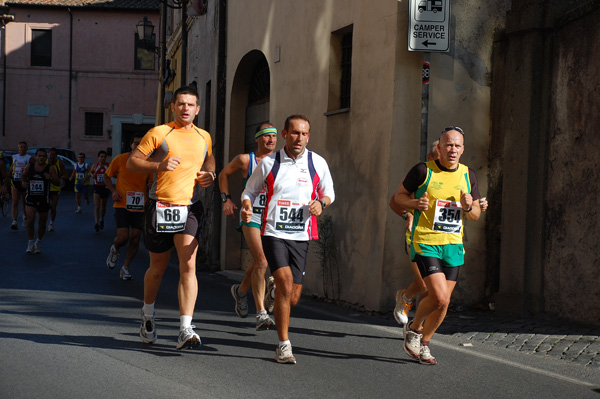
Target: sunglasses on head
<point x="447" y="129"/>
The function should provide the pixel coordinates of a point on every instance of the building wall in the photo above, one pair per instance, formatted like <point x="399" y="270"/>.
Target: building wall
<point x="371" y="147"/>
<point x="103" y="78"/>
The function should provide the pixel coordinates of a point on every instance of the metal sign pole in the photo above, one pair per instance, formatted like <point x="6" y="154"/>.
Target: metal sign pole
<point x="424" y="107"/>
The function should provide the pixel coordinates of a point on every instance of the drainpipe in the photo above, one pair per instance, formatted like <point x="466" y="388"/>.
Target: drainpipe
<point x="70" y="75"/>
<point x="219" y="150"/>
<point x="4" y="79"/>
<point x="163" y="60"/>
<point x="184" y="42"/>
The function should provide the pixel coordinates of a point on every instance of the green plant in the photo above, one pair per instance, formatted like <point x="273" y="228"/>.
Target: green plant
<point x="328" y="256"/>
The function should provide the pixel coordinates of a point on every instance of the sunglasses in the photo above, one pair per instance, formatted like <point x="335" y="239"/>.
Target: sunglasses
<point x="447" y="129"/>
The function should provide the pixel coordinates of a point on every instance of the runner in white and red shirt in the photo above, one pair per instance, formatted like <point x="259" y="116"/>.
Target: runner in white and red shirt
<point x="298" y="186"/>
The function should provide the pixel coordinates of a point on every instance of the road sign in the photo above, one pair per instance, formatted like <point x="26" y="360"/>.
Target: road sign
<point x="428" y="25"/>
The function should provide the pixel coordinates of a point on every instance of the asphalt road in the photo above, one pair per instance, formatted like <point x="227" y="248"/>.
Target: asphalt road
<point x="69" y="329"/>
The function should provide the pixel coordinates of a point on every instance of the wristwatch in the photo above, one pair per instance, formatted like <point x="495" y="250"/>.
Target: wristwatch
<point x="225" y="197"/>
<point x="323" y="204"/>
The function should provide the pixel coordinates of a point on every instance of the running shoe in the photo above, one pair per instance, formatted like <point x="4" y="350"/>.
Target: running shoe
<point x="188" y="338"/>
<point x="51" y="227"/>
<point x="113" y="256"/>
<point x="283" y="354"/>
<point x="425" y="356"/>
<point x="269" y="300"/>
<point x="241" y="302"/>
<point x="97" y="227"/>
<point x="147" y="329"/>
<point x="264" y="322"/>
<point x="14" y="225"/>
<point x="78" y="210"/>
<point x="37" y="247"/>
<point x="29" y="247"/>
<point x="102" y="225"/>
<point x="125" y="275"/>
<point x="412" y="342"/>
<point x="402" y="308"/>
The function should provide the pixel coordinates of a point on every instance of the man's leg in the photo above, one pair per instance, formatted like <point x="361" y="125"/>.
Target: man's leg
<point x="287" y="295"/>
<point x="154" y="274"/>
<point x="53" y="206"/>
<point x="16" y="196"/>
<point x="103" y="202"/>
<point x="132" y="248"/>
<point x="119" y="241"/>
<point x="437" y="299"/>
<point x="43" y="218"/>
<point x="436" y="318"/>
<point x="187" y="246"/>
<point x="30" y="212"/>
<point x="259" y="266"/>
<point x="121" y="238"/>
<point x="97" y="200"/>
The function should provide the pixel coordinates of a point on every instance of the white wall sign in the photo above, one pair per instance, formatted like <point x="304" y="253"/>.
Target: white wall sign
<point x="428" y="25"/>
<point x="37" y="110"/>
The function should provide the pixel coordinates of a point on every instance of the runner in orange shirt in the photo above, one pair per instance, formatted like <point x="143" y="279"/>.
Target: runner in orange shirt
<point x="181" y="158"/>
<point x="129" y="198"/>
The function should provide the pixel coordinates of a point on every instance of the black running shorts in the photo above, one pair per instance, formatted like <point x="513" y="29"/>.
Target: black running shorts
<point x="162" y="242"/>
<point x="286" y="253"/>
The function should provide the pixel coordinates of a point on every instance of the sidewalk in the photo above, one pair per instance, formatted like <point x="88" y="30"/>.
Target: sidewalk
<point x="578" y="344"/>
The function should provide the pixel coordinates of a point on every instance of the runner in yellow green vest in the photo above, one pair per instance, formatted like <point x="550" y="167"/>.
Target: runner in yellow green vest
<point x="445" y="194"/>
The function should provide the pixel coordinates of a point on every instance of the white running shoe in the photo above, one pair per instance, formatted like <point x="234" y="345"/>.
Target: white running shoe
<point x="188" y="338"/>
<point x="269" y="300"/>
<point x="125" y="275"/>
<point x="37" y="247"/>
<point x="113" y="256"/>
<point x="241" y="302"/>
<point x="283" y="354"/>
<point x="402" y="308"/>
<point x="412" y="342"/>
<point x="425" y="356"/>
<point x="147" y="329"/>
<point x="78" y="210"/>
<point x="14" y="225"/>
<point x="29" y="247"/>
<point x="264" y="322"/>
<point x="51" y="227"/>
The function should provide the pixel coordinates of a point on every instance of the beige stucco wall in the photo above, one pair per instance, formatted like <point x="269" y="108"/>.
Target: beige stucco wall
<point x="370" y="148"/>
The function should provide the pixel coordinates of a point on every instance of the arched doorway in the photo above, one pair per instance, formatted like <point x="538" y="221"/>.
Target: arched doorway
<point x="250" y="96"/>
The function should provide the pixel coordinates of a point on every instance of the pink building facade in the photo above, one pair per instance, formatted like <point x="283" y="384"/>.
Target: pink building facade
<point x="76" y="75"/>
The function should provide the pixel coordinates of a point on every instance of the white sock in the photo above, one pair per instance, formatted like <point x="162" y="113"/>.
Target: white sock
<point x="406" y="299"/>
<point x="184" y="322"/>
<point x="281" y="343"/>
<point x="273" y="292"/>
<point x="37" y="241"/>
<point x="148" y="309"/>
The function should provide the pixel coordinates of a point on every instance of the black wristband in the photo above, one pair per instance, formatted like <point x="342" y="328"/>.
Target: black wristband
<point x="470" y="209"/>
<point x="323" y="205"/>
